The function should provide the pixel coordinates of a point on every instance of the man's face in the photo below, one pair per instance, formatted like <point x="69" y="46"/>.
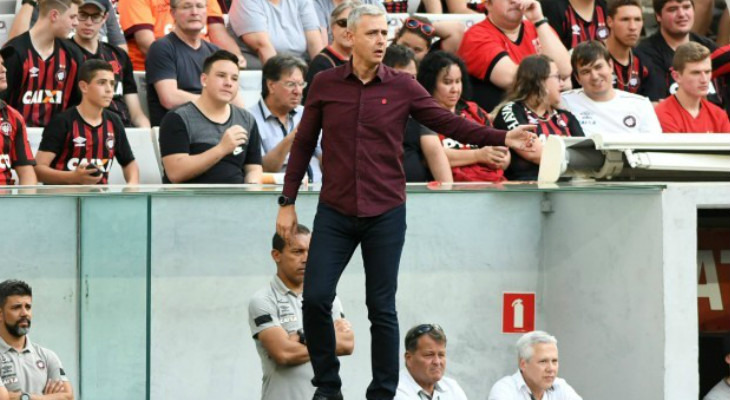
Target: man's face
<point x="88" y="29"/>
<point x="542" y="369"/>
<point x="16" y="315"/>
<point x="292" y="260"/>
<point x="414" y="42"/>
<point x="369" y="38"/>
<point x="695" y="78"/>
<point x="428" y="362"/>
<point x="100" y="91"/>
<point x="190" y="15"/>
<point x="287" y="91"/>
<point x="63" y="23"/>
<point x="221" y="82"/>
<point x="676" y="18"/>
<point x="3" y="75"/>
<point x="596" y="78"/>
<point x="505" y="13"/>
<point x="626" y="25"/>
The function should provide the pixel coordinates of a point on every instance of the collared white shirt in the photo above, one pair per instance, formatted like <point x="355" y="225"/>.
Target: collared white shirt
<point x="513" y="387"/>
<point x="445" y="389"/>
<point x="272" y="132"/>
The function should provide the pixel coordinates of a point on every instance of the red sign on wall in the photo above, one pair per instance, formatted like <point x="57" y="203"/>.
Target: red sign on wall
<point x="518" y="312"/>
<point x="713" y="270"/>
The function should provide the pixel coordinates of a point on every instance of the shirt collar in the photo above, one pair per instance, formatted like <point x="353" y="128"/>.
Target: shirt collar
<point x="266" y="113"/>
<point x="520" y="380"/>
<point x="280" y="287"/>
<point x="4" y="347"/>
<point x="408" y="380"/>
<point x="381" y="74"/>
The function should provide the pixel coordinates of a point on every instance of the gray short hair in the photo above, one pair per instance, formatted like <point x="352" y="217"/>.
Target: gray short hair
<point x="345" y="5"/>
<point x="525" y="344"/>
<point x="363" y="9"/>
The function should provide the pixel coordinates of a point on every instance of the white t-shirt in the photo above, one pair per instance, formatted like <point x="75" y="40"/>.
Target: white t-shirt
<point x="445" y="389"/>
<point x="625" y="113"/>
<point x="513" y="387"/>
<point x="721" y="391"/>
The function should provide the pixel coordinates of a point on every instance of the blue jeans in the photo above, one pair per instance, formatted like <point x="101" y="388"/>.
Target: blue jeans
<point x="334" y="238"/>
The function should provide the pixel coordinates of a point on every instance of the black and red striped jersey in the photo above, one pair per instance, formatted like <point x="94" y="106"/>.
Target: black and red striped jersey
<point x="571" y="27"/>
<point x="635" y="78"/>
<point x="38" y="88"/>
<point x="14" y="148"/>
<point x="73" y="140"/>
<point x="558" y="122"/>
<point x="123" y="76"/>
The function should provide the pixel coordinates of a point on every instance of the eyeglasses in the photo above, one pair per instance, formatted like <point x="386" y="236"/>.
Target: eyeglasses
<point x="342" y="23"/>
<point x="413" y="24"/>
<point x="95" y="18"/>
<point x="291" y="85"/>
<point x="422" y="329"/>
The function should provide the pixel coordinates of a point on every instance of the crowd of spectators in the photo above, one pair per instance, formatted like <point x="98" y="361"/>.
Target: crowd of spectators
<point x="570" y="67"/>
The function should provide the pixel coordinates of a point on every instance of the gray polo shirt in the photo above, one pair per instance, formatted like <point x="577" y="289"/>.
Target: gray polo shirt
<point x="29" y="370"/>
<point x="285" y="23"/>
<point x="272" y="132"/>
<point x="276" y="305"/>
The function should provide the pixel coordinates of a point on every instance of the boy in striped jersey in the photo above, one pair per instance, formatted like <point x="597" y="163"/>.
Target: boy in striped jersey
<point x="43" y="66"/>
<point x="14" y="148"/>
<point x="80" y="144"/>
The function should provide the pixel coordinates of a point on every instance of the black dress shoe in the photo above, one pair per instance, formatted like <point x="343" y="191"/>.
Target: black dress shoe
<point x="318" y="396"/>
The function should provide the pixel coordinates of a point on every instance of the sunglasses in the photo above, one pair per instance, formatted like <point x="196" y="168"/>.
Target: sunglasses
<point x="413" y="24"/>
<point x="421" y="330"/>
<point x="342" y="23"/>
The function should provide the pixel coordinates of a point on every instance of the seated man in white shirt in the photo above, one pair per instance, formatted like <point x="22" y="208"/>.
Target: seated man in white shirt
<point x="599" y="107"/>
<point x="537" y="376"/>
<point x="423" y="378"/>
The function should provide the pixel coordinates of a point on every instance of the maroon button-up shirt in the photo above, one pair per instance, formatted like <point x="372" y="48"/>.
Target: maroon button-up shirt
<point x="362" y="137"/>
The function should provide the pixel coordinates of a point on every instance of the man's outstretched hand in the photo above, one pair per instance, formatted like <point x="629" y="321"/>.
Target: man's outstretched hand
<point x="521" y="138"/>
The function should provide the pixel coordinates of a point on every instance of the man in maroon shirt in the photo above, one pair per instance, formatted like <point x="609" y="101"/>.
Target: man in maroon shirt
<point x="362" y="108"/>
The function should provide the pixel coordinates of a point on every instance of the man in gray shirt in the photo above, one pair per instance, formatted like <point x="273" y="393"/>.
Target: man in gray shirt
<point x="279" y="111"/>
<point x="721" y="391"/>
<point x="209" y="140"/>
<point x="275" y="317"/>
<point x="26" y="369"/>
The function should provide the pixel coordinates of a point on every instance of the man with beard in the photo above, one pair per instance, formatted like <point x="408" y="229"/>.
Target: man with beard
<point x="537" y="376"/>
<point x="27" y="370"/>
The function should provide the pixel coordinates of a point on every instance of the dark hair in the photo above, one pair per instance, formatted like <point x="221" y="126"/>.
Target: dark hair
<point x="434" y="331"/>
<point x="219" y="55"/>
<point x="278" y="243"/>
<point x="276" y="66"/>
<point x="587" y="53"/>
<point x="45" y="6"/>
<point x="435" y="62"/>
<point x="416" y="31"/>
<point x="399" y="56"/>
<point x="690" y="52"/>
<point x="90" y="67"/>
<point x="12" y="287"/>
<point x="658" y="5"/>
<point x="614" y="5"/>
<point x="530" y="79"/>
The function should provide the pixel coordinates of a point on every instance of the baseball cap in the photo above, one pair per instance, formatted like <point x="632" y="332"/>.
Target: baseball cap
<point x="103" y="5"/>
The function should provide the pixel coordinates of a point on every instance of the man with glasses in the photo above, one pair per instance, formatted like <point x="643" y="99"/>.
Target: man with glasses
<point x="537" y="376"/>
<point x="423" y="378"/>
<point x="209" y="140"/>
<point x="92" y="16"/>
<point x="279" y="111"/>
<point x="175" y="61"/>
<point x="42" y="67"/>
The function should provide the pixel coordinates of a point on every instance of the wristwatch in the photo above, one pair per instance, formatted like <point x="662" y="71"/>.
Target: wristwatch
<point x="285" y="201"/>
<point x="302" y="337"/>
<point x="24" y="396"/>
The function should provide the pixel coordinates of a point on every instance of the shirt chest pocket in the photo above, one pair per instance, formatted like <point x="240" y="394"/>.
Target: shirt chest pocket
<point x="378" y="114"/>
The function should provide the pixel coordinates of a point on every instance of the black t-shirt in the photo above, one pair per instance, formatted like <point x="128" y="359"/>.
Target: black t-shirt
<point x="171" y="58"/>
<point x="635" y="78"/>
<point x="658" y="56"/>
<point x="325" y="60"/>
<point x="123" y="76"/>
<point x="570" y="27"/>
<point x="72" y="139"/>
<point x="38" y="88"/>
<point x="414" y="162"/>
<point x="559" y="122"/>
<point x="187" y="130"/>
